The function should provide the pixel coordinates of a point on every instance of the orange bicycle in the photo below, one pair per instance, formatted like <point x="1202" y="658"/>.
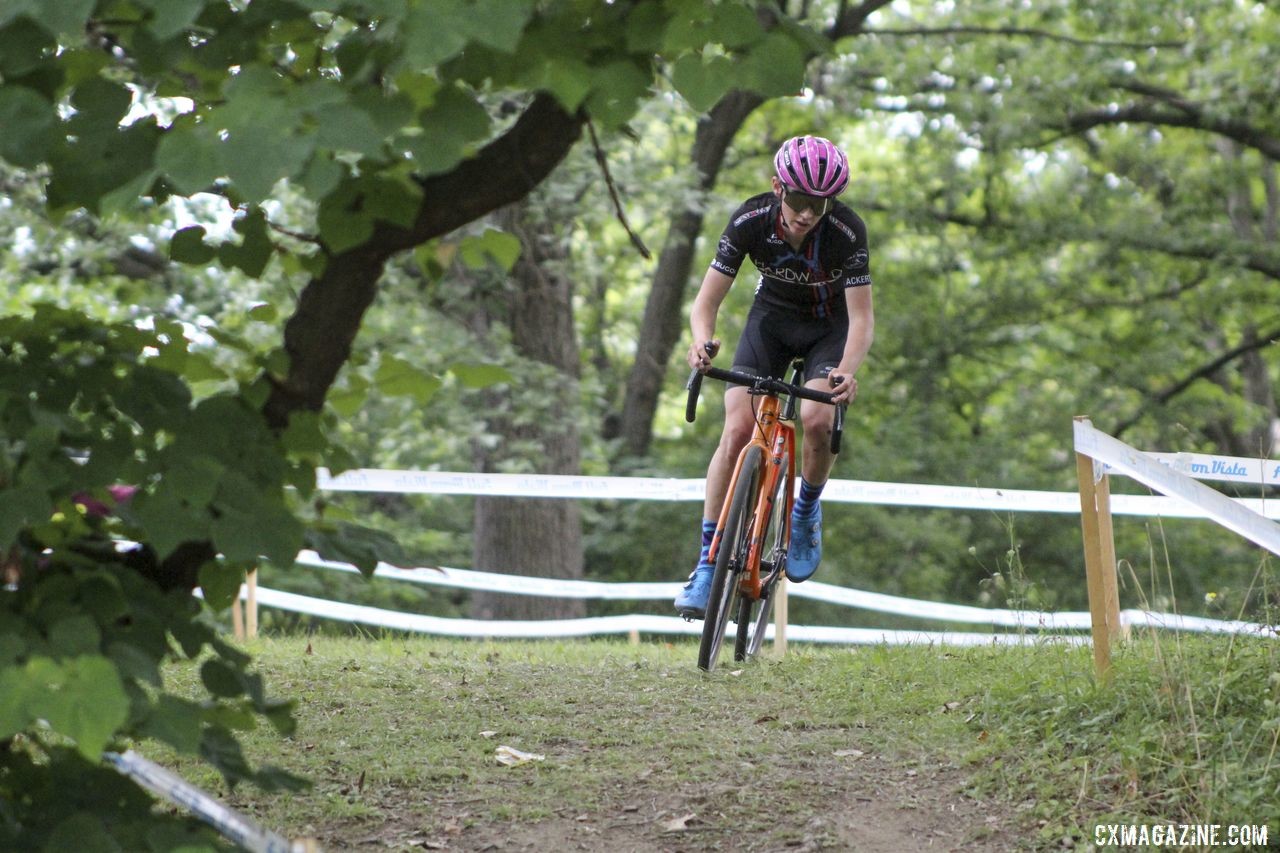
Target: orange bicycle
<point x="749" y="550"/>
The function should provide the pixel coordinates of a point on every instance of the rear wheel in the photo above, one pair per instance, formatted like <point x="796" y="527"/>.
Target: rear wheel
<point x="752" y="626"/>
<point x="730" y="558"/>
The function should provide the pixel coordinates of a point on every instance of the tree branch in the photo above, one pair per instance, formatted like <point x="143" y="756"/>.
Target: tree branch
<point x="1208" y="369"/>
<point x="319" y="336"/>
<point x="1176" y="113"/>
<point x="1025" y="32"/>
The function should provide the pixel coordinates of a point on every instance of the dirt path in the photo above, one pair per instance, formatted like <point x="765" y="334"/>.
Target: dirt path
<point x="864" y="803"/>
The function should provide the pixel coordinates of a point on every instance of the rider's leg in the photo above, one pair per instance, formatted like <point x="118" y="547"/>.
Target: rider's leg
<point x="738" y="426"/>
<point x="816" y="460"/>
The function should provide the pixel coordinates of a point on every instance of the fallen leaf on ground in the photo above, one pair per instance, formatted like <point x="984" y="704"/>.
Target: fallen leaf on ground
<point x="510" y="756"/>
<point x="678" y="824"/>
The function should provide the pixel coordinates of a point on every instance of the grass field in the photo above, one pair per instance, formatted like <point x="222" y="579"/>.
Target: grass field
<point x="865" y="748"/>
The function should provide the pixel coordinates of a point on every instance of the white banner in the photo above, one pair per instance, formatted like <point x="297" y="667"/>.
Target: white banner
<point x="1203" y="466"/>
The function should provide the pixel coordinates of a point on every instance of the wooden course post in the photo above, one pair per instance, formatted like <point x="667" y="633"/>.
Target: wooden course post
<point x="1099" y="559"/>
<point x="780" y="618"/>
<point x="251" y="606"/>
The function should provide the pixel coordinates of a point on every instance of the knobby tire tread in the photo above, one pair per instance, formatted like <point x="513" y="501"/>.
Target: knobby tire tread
<point x="720" y="601"/>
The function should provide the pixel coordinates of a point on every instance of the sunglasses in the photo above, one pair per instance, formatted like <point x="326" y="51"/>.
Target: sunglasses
<point x="800" y="202"/>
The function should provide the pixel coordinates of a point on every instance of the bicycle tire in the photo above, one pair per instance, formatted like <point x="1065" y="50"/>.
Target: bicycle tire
<point x="752" y="627"/>
<point x="729" y="558"/>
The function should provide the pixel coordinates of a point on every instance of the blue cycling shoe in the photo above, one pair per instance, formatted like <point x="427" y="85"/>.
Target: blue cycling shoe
<point x="806" y="546"/>
<point x="692" y="600"/>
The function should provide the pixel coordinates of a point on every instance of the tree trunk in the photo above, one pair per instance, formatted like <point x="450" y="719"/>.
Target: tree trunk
<point x="661" y="327"/>
<point x="539" y="537"/>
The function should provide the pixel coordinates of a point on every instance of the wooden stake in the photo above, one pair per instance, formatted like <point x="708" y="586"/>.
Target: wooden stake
<point x="237" y="616"/>
<point x="1099" y="561"/>
<point x="251" y="606"/>
<point x="780" y="619"/>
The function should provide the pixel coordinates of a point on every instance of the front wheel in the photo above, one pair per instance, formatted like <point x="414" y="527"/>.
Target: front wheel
<point x="752" y="627"/>
<point x="730" y="559"/>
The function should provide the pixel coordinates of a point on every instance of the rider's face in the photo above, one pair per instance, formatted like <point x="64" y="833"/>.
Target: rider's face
<point x="800" y="218"/>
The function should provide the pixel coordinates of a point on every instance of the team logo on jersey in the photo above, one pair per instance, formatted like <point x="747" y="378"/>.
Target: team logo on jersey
<point x="727" y="247"/>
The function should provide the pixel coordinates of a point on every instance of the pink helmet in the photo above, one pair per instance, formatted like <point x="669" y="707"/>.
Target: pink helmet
<point x="812" y="165"/>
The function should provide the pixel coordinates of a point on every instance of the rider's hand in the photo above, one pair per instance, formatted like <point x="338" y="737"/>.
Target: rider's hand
<point x="701" y="353"/>
<point x="843" y="386"/>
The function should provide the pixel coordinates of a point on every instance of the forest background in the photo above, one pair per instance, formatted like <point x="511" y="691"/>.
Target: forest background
<point x="249" y="239"/>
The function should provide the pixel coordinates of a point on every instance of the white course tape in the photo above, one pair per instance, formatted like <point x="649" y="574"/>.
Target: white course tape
<point x="517" y="584"/>
<point x="671" y="489"/>
<point x="231" y="824"/>
<point x="1027" y="620"/>
<point x="1146" y="470"/>
<point x="626" y="624"/>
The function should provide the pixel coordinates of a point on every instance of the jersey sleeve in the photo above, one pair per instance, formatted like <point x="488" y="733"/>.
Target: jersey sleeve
<point x="731" y="250"/>
<point x="856" y="264"/>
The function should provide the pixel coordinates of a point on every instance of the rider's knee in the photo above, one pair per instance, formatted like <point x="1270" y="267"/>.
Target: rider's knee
<point x="737" y="432"/>
<point x="817" y="420"/>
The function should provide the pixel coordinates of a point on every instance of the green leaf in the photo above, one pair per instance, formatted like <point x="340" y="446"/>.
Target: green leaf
<point x="361" y="546"/>
<point x="453" y="123"/>
<point x="774" y="67"/>
<point x="304" y="434"/>
<point x="251" y="523"/>
<point x="396" y="377"/>
<point x="619" y="87"/>
<point x="735" y="25"/>
<point x="190" y="154"/>
<point x="481" y="375"/>
<point x="702" y="83"/>
<point x="343" y="221"/>
<point x="221" y="679"/>
<point x="63" y="17"/>
<point x="170" y="17"/>
<point x="18" y="508"/>
<point x="169" y="521"/>
<point x="98" y="161"/>
<point x="391" y="200"/>
<point x="82" y="699"/>
<point x="221" y="583"/>
<point x="348" y="398"/>
<point x="493" y="245"/>
<point x="28" y="120"/>
<point x="254" y="251"/>
<point x="100" y="105"/>
<point x="174" y="721"/>
<point x="73" y="636"/>
<point x="266" y="139"/>
<point x="188" y="246"/>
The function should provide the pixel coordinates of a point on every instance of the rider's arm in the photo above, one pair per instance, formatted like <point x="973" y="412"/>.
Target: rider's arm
<point x="862" y="330"/>
<point x="702" y="319"/>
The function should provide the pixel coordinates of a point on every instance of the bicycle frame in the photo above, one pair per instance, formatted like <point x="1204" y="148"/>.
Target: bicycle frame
<point x="775" y="435"/>
<point x="750" y="519"/>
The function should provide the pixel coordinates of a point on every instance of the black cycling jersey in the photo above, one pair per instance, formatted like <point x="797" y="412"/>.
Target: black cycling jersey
<point x="810" y="281"/>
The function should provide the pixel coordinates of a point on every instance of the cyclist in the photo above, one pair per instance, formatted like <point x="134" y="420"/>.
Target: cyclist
<point x="813" y="300"/>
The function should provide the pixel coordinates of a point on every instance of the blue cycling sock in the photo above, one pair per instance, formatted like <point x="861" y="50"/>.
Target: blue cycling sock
<point x="708" y="533"/>
<point x="808" y="499"/>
